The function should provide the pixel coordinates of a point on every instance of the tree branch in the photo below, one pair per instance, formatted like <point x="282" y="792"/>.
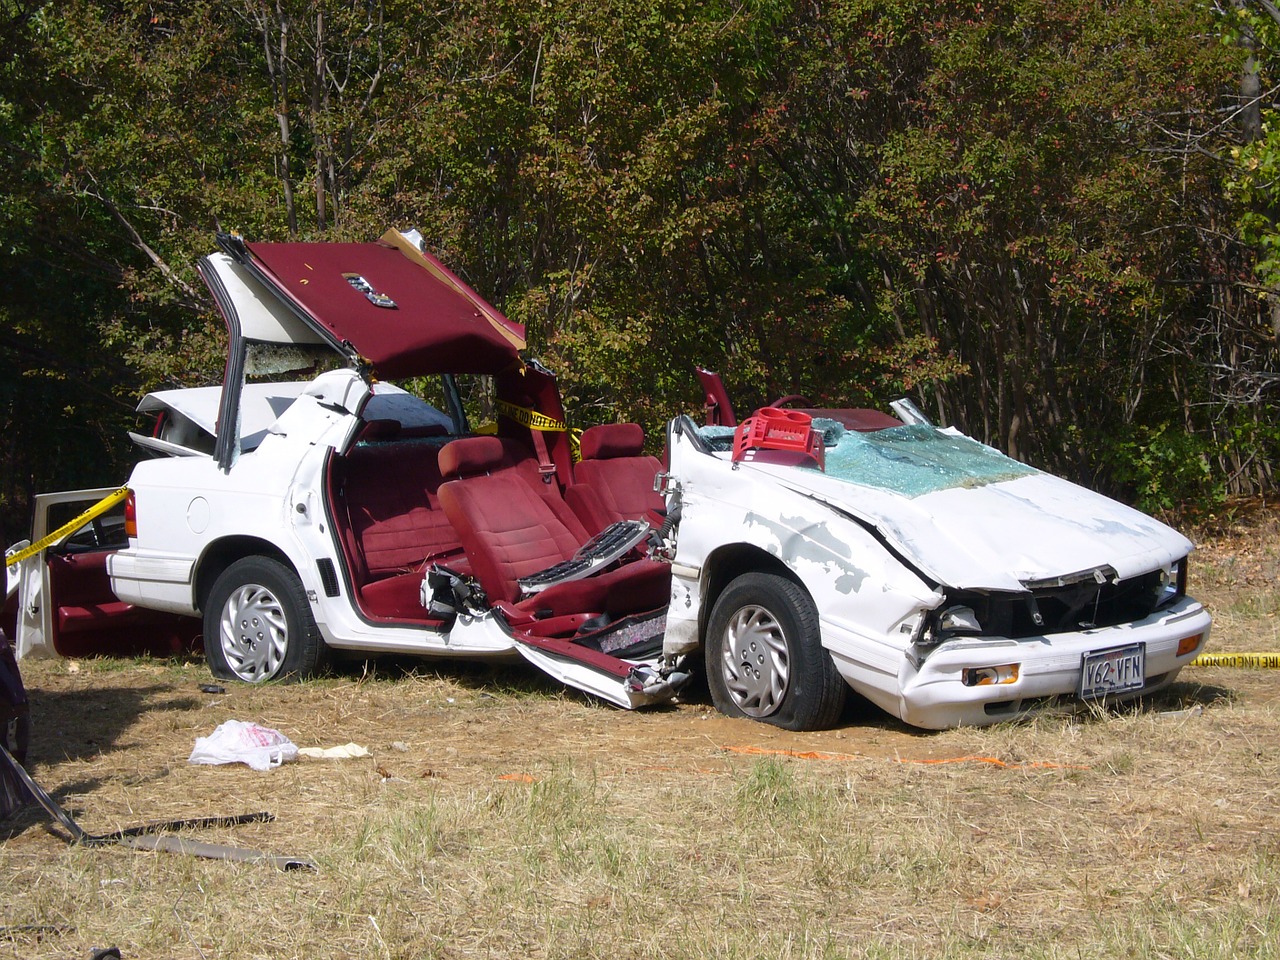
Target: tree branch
<point x="190" y="297"/>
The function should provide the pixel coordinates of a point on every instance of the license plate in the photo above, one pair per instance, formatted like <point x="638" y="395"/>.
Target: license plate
<point x="1118" y="670"/>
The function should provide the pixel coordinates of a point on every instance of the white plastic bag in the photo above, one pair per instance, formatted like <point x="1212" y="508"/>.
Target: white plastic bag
<point x="238" y="742"/>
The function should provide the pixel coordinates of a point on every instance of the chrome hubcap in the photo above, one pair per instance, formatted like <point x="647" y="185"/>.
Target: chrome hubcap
<point x="254" y="633"/>
<point x="756" y="662"/>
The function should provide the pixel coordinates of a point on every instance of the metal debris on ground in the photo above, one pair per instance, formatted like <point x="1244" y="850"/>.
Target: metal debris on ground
<point x="144" y="837"/>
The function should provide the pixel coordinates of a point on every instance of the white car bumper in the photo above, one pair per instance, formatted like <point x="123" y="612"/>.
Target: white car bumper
<point x="1042" y="673"/>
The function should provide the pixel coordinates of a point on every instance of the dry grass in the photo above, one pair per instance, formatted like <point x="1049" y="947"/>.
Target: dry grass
<point x="499" y="817"/>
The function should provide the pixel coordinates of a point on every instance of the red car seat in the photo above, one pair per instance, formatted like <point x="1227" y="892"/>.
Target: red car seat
<point x="614" y="479"/>
<point x="510" y="529"/>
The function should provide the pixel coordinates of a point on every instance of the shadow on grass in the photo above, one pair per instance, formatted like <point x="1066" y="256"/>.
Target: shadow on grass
<point x="515" y="677"/>
<point x="79" y="724"/>
<point x="1181" y="695"/>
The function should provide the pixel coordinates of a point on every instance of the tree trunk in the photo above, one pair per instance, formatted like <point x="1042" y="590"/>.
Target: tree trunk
<point x="317" y="87"/>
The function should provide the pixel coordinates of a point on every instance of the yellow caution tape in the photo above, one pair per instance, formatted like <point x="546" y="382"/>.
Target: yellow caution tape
<point x="531" y="418"/>
<point x="1258" y="661"/>
<point x="64" y="531"/>
<point x="540" y="421"/>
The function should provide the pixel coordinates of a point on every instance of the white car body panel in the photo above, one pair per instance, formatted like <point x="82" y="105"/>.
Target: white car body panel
<point x="870" y="602"/>
<point x="274" y="495"/>
<point x="999" y="535"/>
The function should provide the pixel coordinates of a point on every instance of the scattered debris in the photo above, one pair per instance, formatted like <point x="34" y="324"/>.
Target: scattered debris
<point x="236" y="741"/>
<point x="144" y="837"/>
<point x="1195" y="711"/>
<point x="212" y="688"/>
<point x="347" y="751"/>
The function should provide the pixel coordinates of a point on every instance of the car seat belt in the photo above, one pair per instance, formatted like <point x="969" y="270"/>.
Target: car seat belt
<point x="546" y="467"/>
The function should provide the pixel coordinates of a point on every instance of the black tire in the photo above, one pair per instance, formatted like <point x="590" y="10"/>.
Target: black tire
<point x="258" y="625"/>
<point x="765" y="658"/>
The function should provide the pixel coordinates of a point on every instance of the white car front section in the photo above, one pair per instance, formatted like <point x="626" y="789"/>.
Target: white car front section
<point x="870" y="561"/>
<point x="1030" y="674"/>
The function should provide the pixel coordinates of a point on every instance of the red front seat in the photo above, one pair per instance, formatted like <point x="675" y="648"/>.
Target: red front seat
<point x="614" y="479"/>
<point x="509" y="529"/>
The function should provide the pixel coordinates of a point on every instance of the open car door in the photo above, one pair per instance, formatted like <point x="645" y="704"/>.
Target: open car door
<point x="65" y="606"/>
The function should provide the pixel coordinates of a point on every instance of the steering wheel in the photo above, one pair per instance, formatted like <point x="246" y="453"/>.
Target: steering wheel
<point x="791" y="398"/>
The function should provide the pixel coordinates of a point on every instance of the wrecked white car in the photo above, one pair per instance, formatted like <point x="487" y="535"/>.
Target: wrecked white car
<point x="309" y="506"/>
<point x="938" y="578"/>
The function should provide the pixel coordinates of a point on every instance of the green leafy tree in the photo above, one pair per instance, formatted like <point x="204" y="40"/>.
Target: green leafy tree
<point x="1013" y="209"/>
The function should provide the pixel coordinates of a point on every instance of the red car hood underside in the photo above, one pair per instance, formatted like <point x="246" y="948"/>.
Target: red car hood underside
<point x="438" y="323"/>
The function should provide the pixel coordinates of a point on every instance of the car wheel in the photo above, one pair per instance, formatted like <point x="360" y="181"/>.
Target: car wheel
<point x="258" y="625"/>
<point x="765" y="658"/>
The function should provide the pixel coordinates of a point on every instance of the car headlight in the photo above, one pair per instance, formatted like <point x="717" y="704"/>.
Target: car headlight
<point x="989" y="676"/>
<point x="1173" y="583"/>
<point x="959" y="620"/>
<point x="955" y="620"/>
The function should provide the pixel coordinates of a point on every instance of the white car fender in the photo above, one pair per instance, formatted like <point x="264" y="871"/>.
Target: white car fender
<point x="839" y="561"/>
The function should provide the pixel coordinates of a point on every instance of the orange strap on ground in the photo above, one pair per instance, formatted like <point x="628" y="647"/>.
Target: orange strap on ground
<point x="822" y="755"/>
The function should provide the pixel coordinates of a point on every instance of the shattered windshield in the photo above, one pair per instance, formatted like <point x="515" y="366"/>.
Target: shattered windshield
<point x="910" y="460"/>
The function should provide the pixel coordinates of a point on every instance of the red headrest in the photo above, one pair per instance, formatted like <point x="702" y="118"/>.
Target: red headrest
<point x="470" y="456"/>
<point x="612" y="440"/>
<point x="380" y="430"/>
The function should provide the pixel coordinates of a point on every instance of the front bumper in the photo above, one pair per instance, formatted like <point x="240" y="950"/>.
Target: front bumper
<point x="933" y="693"/>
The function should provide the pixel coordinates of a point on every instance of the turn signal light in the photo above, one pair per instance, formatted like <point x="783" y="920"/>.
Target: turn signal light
<point x="130" y="516"/>
<point x="988" y="676"/>
<point x="1188" y="644"/>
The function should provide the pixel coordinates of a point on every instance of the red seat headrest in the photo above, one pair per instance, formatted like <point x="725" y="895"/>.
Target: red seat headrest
<point x="612" y="440"/>
<point x="380" y="430"/>
<point x="470" y="456"/>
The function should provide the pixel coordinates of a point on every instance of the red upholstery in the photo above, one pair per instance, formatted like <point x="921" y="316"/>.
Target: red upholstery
<point x="612" y="440"/>
<point x="88" y="620"/>
<point x="380" y="430"/>
<point x="614" y="480"/>
<point x="385" y="497"/>
<point x="635" y="587"/>
<point x="470" y="456"/>
<point x="510" y="528"/>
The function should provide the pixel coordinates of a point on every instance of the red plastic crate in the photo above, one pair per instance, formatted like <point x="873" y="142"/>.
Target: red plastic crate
<point x="771" y="428"/>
